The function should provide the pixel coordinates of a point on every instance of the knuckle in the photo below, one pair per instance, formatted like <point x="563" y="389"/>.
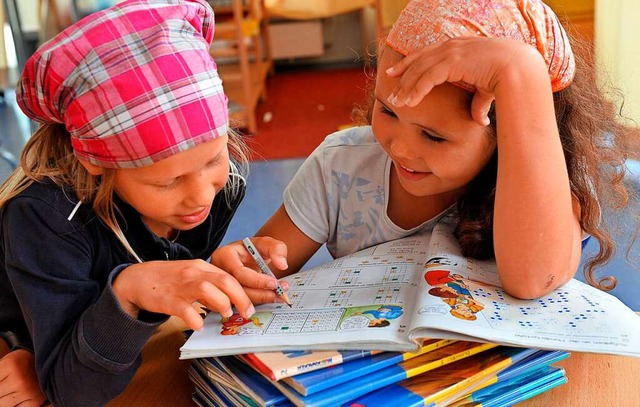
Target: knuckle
<point x="183" y="309"/>
<point x="268" y="297"/>
<point x="219" y="304"/>
<point x="203" y="286"/>
<point x="225" y="281"/>
<point x="188" y="272"/>
<point x="164" y="305"/>
<point x="200" y="264"/>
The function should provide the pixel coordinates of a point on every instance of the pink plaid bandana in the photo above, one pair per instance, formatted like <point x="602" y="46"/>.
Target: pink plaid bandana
<point x="133" y="84"/>
<point x="531" y="21"/>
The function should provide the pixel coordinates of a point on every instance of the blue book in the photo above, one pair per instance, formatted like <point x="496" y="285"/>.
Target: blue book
<point x="521" y="396"/>
<point x="450" y="382"/>
<point x="359" y="386"/>
<point x="446" y="381"/>
<point x="538" y="360"/>
<point x="310" y="383"/>
<point x="528" y="366"/>
<point x="501" y="392"/>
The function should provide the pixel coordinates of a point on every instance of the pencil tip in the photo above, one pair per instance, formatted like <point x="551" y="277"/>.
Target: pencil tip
<point x="286" y="299"/>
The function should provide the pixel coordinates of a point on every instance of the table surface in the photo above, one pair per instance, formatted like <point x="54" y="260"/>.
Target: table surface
<point x="593" y="379"/>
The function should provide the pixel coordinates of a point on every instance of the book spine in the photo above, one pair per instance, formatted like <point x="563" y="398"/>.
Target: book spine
<point x="257" y="364"/>
<point x="428" y="347"/>
<point x="449" y="359"/>
<point x="400" y="396"/>
<point x="528" y="394"/>
<point x="321" y="380"/>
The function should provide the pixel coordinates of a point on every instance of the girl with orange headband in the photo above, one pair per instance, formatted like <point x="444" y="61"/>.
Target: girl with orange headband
<point x="481" y="113"/>
<point x="122" y="195"/>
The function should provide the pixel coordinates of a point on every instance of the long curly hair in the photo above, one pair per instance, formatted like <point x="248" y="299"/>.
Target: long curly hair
<point x="596" y="145"/>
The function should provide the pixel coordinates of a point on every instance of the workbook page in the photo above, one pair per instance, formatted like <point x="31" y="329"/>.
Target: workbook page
<point x="360" y="301"/>
<point x="461" y="298"/>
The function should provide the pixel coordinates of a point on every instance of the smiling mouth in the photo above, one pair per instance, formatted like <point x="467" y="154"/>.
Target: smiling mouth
<point x="410" y="173"/>
<point x="407" y="168"/>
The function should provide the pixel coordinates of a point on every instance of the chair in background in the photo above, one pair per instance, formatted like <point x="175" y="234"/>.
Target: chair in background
<point x="242" y="39"/>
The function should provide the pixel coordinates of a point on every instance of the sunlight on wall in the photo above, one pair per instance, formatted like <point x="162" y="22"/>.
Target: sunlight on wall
<point x="618" y="50"/>
<point x="10" y="52"/>
<point x="3" y="46"/>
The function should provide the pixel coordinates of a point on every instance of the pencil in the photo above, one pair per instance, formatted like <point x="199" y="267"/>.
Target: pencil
<point x="262" y="265"/>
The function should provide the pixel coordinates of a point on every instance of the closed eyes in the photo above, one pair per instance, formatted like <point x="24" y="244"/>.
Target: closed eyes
<point x="173" y="183"/>
<point x="435" y="139"/>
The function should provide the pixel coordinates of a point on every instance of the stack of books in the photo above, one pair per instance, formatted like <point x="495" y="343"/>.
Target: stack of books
<point x="389" y="297"/>
<point x="443" y="373"/>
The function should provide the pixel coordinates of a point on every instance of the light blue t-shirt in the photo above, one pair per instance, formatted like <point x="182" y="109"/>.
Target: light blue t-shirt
<point x="339" y="195"/>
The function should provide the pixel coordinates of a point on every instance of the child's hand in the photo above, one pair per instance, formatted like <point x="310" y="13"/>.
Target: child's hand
<point x="18" y="380"/>
<point x="477" y="62"/>
<point x="172" y="287"/>
<point x="235" y="259"/>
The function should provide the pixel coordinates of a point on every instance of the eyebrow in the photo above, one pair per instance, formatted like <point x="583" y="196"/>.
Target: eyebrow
<point x="215" y="160"/>
<point x="423" y="127"/>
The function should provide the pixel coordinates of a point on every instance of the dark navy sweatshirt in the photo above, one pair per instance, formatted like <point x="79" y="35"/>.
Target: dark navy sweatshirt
<point x="56" y="288"/>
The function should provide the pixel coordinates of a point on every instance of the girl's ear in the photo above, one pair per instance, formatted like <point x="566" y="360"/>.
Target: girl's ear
<point x="91" y="168"/>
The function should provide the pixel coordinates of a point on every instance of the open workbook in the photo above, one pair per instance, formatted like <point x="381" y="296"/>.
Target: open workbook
<point x="391" y="296"/>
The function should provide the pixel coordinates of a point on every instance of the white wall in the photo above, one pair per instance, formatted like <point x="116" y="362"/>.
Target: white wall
<point x="3" y="52"/>
<point x="618" y="49"/>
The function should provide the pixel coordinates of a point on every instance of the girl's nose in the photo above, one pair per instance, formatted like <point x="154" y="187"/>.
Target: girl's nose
<point x="200" y="192"/>
<point x="404" y="147"/>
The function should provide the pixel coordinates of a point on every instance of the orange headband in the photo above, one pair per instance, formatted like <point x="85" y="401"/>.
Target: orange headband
<point x="425" y="22"/>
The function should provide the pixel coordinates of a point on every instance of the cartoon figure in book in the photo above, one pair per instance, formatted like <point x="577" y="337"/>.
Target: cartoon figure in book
<point x="231" y="325"/>
<point x="439" y="261"/>
<point x="380" y="317"/>
<point x="464" y="307"/>
<point x="454" y="292"/>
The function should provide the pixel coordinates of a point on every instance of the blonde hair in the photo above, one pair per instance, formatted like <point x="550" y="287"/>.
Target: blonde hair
<point x="48" y="155"/>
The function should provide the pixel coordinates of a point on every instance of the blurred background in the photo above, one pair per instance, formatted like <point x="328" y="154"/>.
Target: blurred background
<point x="293" y="71"/>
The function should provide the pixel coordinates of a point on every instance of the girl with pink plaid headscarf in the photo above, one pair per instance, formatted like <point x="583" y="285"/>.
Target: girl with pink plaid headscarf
<point x="482" y="113"/>
<point x="122" y="195"/>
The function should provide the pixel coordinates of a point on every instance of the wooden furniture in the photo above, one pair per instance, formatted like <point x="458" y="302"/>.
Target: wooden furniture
<point x="577" y="15"/>
<point x="387" y="11"/>
<point x="306" y="10"/>
<point x="594" y="380"/>
<point x="242" y="34"/>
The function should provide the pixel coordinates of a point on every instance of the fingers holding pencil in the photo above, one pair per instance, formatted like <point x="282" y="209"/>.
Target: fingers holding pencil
<point x="264" y="268"/>
<point x="237" y="261"/>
